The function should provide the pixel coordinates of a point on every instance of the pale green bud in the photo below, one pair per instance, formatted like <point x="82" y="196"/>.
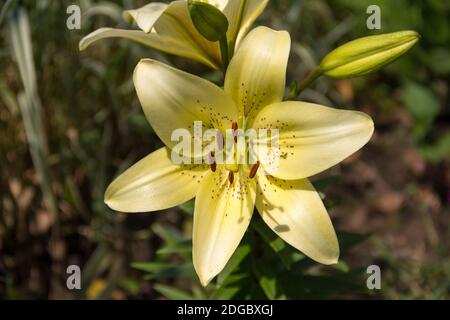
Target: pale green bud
<point x="364" y="55"/>
<point x="209" y="21"/>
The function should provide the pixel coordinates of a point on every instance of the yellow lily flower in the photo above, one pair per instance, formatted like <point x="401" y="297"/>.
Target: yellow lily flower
<point x="312" y="138"/>
<point x="168" y="27"/>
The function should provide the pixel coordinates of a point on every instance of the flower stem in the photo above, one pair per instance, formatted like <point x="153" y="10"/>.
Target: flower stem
<point x="224" y="52"/>
<point x="313" y="75"/>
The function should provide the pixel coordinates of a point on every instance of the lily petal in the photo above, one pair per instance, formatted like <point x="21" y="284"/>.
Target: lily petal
<point x="222" y="214"/>
<point x="312" y="138"/>
<point x="152" y="40"/>
<point x="173" y="99"/>
<point x="241" y="14"/>
<point x="176" y="24"/>
<point x="146" y="16"/>
<point x="295" y="212"/>
<point x="149" y="184"/>
<point x="256" y="75"/>
<point x="220" y="4"/>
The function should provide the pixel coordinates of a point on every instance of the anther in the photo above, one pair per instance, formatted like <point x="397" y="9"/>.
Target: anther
<point x="212" y="162"/>
<point x="234" y="127"/>
<point x="231" y="177"/>
<point x="253" y="170"/>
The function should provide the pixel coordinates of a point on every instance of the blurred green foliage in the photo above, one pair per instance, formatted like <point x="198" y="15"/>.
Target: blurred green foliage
<point x="267" y="269"/>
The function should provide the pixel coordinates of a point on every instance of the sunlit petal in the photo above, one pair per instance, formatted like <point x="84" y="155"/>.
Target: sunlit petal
<point x="153" y="40"/>
<point x="154" y="183"/>
<point x="222" y="214"/>
<point x="295" y="212"/>
<point x="256" y="75"/>
<point x="312" y="138"/>
<point x="176" y="24"/>
<point x="146" y="16"/>
<point x="173" y="99"/>
<point x="241" y="14"/>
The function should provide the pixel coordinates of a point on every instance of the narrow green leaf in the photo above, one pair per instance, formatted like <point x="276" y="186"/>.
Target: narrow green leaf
<point x="240" y="254"/>
<point x="232" y="286"/>
<point x="324" y="182"/>
<point x="266" y="279"/>
<point x="172" y="293"/>
<point x="168" y="233"/>
<point x="347" y="240"/>
<point x="281" y="248"/>
<point x="342" y="266"/>
<point x="161" y="270"/>
<point x="150" y="266"/>
<point x="188" y="207"/>
<point x="176" y="248"/>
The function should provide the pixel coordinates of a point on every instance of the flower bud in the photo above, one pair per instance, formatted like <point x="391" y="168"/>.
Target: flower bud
<point x="209" y="21"/>
<point x="364" y="55"/>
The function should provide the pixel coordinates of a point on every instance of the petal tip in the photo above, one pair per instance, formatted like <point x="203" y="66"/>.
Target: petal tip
<point x="81" y="45"/>
<point x="144" y="62"/>
<point x="204" y="277"/>
<point x="329" y="259"/>
<point x="108" y="198"/>
<point x="370" y="125"/>
<point x="333" y="260"/>
<point x="205" y="282"/>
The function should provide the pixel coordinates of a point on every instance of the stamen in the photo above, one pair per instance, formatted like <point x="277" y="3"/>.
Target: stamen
<point x="253" y="170"/>
<point x="231" y="177"/>
<point x="234" y="127"/>
<point x="212" y="161"/>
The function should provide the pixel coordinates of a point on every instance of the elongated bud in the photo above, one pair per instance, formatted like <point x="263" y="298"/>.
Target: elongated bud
<point x="209" y="21"/>
<point x="364" y="55"/>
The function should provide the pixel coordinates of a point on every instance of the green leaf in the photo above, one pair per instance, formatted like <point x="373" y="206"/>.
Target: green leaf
<point x="281" y="248"/>
<point x="342" y="266"/>
<point x="176" y="248"/>
<point x="348" y="240"/>
<point x="198" y="293"/>
<point x="437" y="151"/>
<point x="266" y="279"/>
<point x="139" y="122"/>
<point x="238" y="256"/>
<point x="324" y="182"/>
<point x="159" y="270"/>
<point x="172" y="293"/>
<point x="293" y="90"/>
<point x="234" y="284"/>
<point x="188" y="207"/>
<point x="150" y="266"/>
<point x="168" y="233"/>
<point x="423" y="106"/>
